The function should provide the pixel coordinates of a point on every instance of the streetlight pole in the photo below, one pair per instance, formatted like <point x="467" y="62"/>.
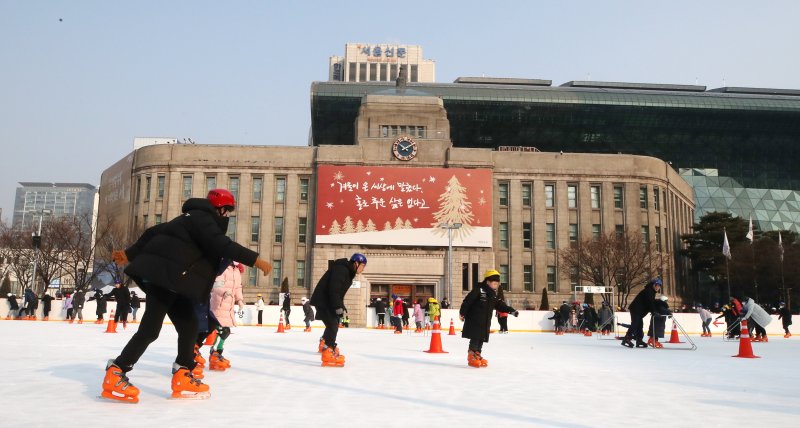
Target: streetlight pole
<point x="37" y="243"/>
<point x="449" y="228"/>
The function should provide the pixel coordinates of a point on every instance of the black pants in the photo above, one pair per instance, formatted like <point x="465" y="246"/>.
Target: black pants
<point x="381" y="319"/>
<point x="331" y="321"/>
<point x="259" y="316"/>
<point x="636" y="329"/>
<point x="475" y="345"/>
<point x="213" y="325"/>
<point x="287" y="312"/>
<point x="121" y="315"/>
<point x="757" y="329"/>
<point x="69" y="314"/>
<point x="503" y="321"/>
<point x="160" y="303"/>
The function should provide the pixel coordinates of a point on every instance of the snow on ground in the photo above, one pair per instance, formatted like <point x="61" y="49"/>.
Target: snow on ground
<point x="52" y="373"/>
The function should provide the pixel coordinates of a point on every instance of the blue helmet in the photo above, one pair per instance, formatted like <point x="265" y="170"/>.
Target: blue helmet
<point x="358" y="257"/>
<point x="657" y="281"/>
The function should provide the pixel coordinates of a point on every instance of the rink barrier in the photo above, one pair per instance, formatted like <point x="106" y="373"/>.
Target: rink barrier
<point x="527" y="322"/>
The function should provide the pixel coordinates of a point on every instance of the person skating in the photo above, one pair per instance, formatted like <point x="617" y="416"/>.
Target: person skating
<point x="259" y="308"/>
<point x="643" y="304"/>
<point x="46" y="306"/>
<point x="476" y="313"/>
<point x="328" y="299"/>
<point x="759" y="319"/>
<point x="78" y="301"/>
<point x="397" y="314"/>
<point x="226" y="292"/>
<point x="502" y="317"/>
<point x="705" y="318"/>
<point x="434" y="310"/>
<point x="175" y="263"/>
<point x="606" y="317"/>
<point x="405" y="314"/>
<point x="308" y="314"/>
<point x="123" y="297"/>
<point x="67" y="306"/>
<point x="419" y="316"/>
<point x="287" y="309"/>
<point x="785" y="315"/>
<point x="730" y="321"/>
<point x="564" y="315"/>
<point x="558" y="325"/>
<point x="380" y="310"/>
<point x="658" y="321"/>
<point x="102" y="307"/>
<point x="135" y="305"/>
<point x="13" y="306"/>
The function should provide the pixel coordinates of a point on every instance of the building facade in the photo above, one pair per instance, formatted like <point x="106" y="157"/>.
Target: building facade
<point x="56" y="199"/>
<point x="389" y="194"/>
<point x="380" y="62"/>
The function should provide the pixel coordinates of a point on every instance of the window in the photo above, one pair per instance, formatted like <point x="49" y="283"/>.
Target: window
<point x="573" y="276"/>
<point x="476" y="274"/>
<point x="503" y="194"/>
<point x="465" y="276"/>
<point x="258" y="188"/>
<point x="276" y="273"/>
<point x="643" y="197"/>
<point x="656" y="201"/>
<point x="619" y="230"/>
<point x="138" y="188"/>
<point x="232" y="227"/>
<point x="211" y="182"/>
<point x="572" y="196"/>
<point x="278" y="230"/>
<point x="233" y="186"/>
<point x="187" y="187"/>
<point x="504" y="277"/>
<point x="303" y="189"/>
<point x="527" y="277"/>
<point x="551" y="278"/>
<point x="301" y="230"/>
<point x="301" y="273"/>
<point x="549" y="195"/>
<point x="595" y="231"/>
<point x="619" y="200"/>
<point x="527" y="235"/>
<point x="252" y="275"/>
<point x="526" y="194"/>
<point x="645" y="234"/>
<point x="658" y="238"/>
<point x="503" y="232"/>
<point x="160" y="182"/>
<point x="664" y="194"/>
<point x="148" y="181"/>
<point x="573" y="234"/>
<point x="351" y="72"/>
<point x="550" y="235"/>
<point x="280" y="189"/>
<point x="595" y="194"/>
<point x="158" y="218"/>
<point x="255" y="228"/>
<point x="144" y="220"/>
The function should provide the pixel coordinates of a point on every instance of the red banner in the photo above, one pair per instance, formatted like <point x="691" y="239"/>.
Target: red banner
<point x="404" y="206"/>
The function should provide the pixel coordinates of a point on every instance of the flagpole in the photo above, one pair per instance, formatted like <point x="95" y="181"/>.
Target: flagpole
<point x="726" y="251"/>
<point x="751" y="236"/>
<point x="783" y="284"/>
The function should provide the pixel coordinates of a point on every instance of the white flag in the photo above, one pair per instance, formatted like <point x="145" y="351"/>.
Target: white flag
<point x="726" y="248"/>
<point x="780" y="245"/>
<point x="750" y="230"/>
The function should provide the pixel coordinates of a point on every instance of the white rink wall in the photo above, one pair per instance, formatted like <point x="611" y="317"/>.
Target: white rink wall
<point x="528" y="321"/>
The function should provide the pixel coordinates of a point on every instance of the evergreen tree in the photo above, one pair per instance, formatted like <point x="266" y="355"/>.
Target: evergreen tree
<point x="545" y="305"/>
<point x="335" y="229"/>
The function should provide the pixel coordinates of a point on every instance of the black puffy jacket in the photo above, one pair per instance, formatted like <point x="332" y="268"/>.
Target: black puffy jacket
<point x="330" y="290"/>
<point x="477" y="311"/>
<point x="184" y="254"/>
<point x="644" y="302"/>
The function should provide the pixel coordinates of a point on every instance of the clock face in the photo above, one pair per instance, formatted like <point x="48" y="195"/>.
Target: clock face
<point x="404" y="148"/>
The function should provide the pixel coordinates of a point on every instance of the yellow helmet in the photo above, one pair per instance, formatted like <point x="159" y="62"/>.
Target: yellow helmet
<point x="490" y="272"/>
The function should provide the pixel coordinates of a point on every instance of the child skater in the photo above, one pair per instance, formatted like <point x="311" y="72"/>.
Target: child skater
<point x="476" y="313"/>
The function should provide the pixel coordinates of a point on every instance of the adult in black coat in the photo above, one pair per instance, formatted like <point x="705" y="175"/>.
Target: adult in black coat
<point x="328" y="296"/>
<point x="46" y="305"/>
<point x="643" y="304"/>
<point x="564" y="314"/>
<point x="102" y="306"/>
<point x="785" y="315"/>
<point x="476" y="312"/>
<point x="78" y="300"/>
<point x="176" y="263"/>
<point x="12" y="305"/>
<point x="287" y="308"/>
<point x="135" y="304"/>
<point x="123" y="297"/>
<point x="405" y="313"/>
<point x="380" y="310"/>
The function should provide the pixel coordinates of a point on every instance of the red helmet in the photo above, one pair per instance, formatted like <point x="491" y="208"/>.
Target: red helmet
<point x="221" y="198"/>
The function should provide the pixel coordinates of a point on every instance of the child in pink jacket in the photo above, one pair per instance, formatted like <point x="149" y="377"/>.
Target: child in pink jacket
<point x="226" y="292"/>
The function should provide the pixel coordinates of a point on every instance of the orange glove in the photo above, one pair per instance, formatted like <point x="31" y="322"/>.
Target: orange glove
<point x="263" y="266"/>
<point x="119" y="257"/>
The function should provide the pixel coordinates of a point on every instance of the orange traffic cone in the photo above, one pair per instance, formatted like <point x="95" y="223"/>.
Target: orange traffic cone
<point x="452" y="328"/>
<point x="280" y="326"/>
<point x="436" y="340"/>
<point x="112" y="326"/>
<point x="745" y="348"/>
<point x="673" y="337"/>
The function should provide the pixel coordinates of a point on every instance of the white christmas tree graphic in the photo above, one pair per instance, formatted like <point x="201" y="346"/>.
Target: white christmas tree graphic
<point x="454" y="208"/>
<point x="335" y="229"/>
<point x="370" y="226"/>
<point x="348" y="225"/>
<point x="387" y="226"/>
<point x="359" y="226"/>
<point x="407" y="225"/>
<point x="399" y="224"/>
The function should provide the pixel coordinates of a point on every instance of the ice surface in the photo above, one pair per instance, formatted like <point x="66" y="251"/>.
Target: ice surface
<point x="52" y="373"/>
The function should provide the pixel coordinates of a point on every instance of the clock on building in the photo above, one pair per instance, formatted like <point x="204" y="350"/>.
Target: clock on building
<point x="404" y="148"/>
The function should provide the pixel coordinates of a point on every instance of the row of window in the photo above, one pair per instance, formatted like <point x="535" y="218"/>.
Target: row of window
<point x="277" y="274"/>
<point x="396" y="130"/>
<point x="255" y="228"/>
<point x="527" y="277"/>
<point x="187" y="190"/>
<point x="594" y="192"/>
<point x="378" y="72"/>
<point x="572" y="232"/>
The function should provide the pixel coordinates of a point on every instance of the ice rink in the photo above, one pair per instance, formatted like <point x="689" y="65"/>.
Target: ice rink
<point x="52" y="373"/>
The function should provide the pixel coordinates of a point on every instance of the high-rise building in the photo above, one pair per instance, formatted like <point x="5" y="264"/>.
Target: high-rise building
<point x="60" y="199"/>
<point x="381" y="62"/>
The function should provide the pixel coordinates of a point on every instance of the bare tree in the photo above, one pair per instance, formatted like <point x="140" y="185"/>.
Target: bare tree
<point x="622" y="261"/>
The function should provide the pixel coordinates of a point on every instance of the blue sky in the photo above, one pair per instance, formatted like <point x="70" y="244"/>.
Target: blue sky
<point x="81" y="79"/>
